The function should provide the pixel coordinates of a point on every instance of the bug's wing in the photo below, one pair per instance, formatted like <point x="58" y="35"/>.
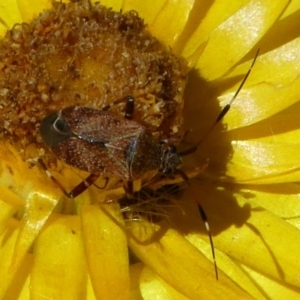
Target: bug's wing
<point x="98" y="126"/>
<point x="99" y="141"/>
<point x="92" y="157"/>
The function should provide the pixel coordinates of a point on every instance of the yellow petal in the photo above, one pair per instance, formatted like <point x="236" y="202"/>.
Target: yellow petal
<point x="179" y="263"/>
<point x="19" y="287"/>
<point x="106" y="251"/>
<point x="264" y="162"/>
<point x="215" y="205"/>
<point x="293" y="7"/>
<point x="271" y="87"/>
<point x="285" y="205"/>
<point x="282" y="128"/>
<point x="37" y="212"/>
<point x="240" y="224"/>
<point x="114" y="4"/>
<point x="59" y="269"/>
<point x="225" y="263"/>
<point x="25" y="295"/>
<point x="7" y="210"/>
<point x="41" y="200"/>
<point x="210" y="16"/>
<point x="147" y="12"/>
<point x="174" y="14"/>
<point x="261" y="234"/>
<point x="272" y="288"/>
<point x="151" y="285"/>
<point x="232" y="39"/>
<point x="29" y="11"/>
<point x="10" y="15"/>
<point x="12" y="280"/>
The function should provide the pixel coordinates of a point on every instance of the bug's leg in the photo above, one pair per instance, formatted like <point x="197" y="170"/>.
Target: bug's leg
<point x="78" y="189"/>
<point x="129" y="106"/>
<point x="104" y="186"/>
<point x="128" y="199"/>
<point x="128" y="187"/>
<point x="83" y="185"/>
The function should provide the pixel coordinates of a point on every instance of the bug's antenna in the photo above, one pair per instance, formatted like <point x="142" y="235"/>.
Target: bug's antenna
<point x="223" y="112"/>
<point x="221" y="115"/>
<point x="203" y="217"/>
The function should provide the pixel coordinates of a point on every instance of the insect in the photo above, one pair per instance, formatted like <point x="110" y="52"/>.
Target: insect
<point x="103" y="144"/>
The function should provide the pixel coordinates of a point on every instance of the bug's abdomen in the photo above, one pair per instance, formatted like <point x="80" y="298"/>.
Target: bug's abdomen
<point x="92" y="157"/>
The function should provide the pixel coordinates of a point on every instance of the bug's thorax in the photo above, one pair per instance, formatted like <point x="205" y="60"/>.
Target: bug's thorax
<point x="146" y="154"/>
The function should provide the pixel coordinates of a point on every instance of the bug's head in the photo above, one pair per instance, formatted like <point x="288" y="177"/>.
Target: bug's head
<point x="170" y="160"/>
<point x="54" y="130"/>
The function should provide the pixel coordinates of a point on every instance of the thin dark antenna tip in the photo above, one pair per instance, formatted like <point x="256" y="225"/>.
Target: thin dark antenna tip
<point x="203" y="217"/>
<point x="216" y="270"/>
<point x="224" y="111"/>
<point x="244" y="79"/>
<point x="212" y="247"/>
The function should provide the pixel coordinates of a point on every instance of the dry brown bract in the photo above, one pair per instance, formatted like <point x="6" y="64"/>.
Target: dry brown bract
<point x="91" y="56"/>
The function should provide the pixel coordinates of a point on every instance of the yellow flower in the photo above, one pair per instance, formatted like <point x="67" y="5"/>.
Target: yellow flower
<point x="249" y="190"/>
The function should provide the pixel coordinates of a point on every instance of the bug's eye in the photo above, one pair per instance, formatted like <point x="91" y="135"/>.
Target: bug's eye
<point x="61" y="126"/>
<point x="54" y="130"/>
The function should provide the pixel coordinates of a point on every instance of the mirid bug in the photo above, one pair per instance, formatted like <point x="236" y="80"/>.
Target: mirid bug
<point x="103" y="144"/>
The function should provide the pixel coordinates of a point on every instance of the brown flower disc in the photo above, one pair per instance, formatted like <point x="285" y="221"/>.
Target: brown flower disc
<point x="87" y="56"/>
